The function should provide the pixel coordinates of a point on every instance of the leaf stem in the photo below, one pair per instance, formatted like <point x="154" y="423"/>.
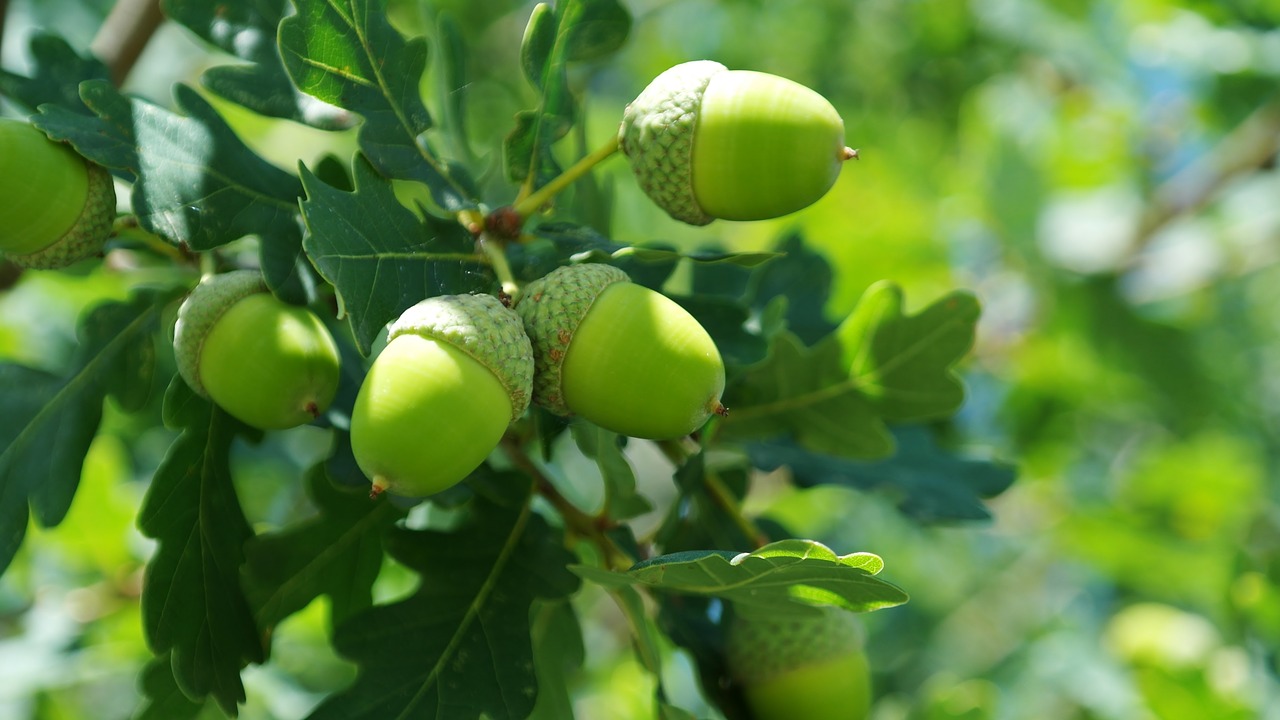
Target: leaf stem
<point x="719" y="493"/>
<point x="497" y="256"/>
<point x="530" y="204"/>
<point x="587" y="526"/>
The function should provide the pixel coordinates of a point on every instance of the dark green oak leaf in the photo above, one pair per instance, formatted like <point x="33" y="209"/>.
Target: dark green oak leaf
<point x="246" y="29"/>
<point x="57" y="71"/>
<point x="460" y="646"/>
<point x="558" y="650"/>
<point x="925" y="481"/>
<point x="381" y="257"/>
<point x="787" y="577"/>
<point x="621" y="500"/>
<point x="193" y="605"/>
<point x="49" y="421"/>
<point x="346" y="53"/>
<point x="162" y="698"/>
<point x="879" y="365"/>
<point x="336" y="553"/>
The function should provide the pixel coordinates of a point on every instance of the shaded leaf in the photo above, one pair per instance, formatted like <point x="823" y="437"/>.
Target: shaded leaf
<point x="696" y="520"/>
<point x="192" y="602"/>
<point x="621" y="501"/>
<point x="557" y="650"/>
<point x="48" y="421"/>
<point x="163" y="699"/>
<point x="346" y="53"/>
<point x="460" y="646"/>
<point x="570" y="242"/>
<point x="878" y="365"/>
<point x="196" y="183"/>
<point x="803" y="279"/>
<point x="56" y="75"/>
<point x="337" y="553"/>
<point x="247" y="30"/>
<point x="925" y="482"/>
<point x="788" y="577"/>
<point x="379" y="255"/>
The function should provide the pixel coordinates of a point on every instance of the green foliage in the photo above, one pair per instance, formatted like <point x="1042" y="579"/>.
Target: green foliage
<point x="338" y="147"/>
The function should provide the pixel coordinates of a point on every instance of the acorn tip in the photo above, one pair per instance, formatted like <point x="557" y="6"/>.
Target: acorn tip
<point x="849" y="154"/>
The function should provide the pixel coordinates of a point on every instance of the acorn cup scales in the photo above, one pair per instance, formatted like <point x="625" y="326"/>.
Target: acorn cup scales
<point x="619" y="354"/>
<point x="57" y="206"/>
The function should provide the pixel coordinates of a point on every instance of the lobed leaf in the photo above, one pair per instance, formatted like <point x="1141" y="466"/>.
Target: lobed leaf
<point x="785" y="577"/>
<point x="926" y="482"/>
<point x="460" y="646"/>
<point x="193" y="605"/>
<point x="380" y="257"/>
<point x="878" y="365"/>
<point x="346" y="53"/>
<point x="621" y="500"/>
<point x="246" y="29"/>
<point x="162" y="698"/>
<point x="49" y="422"/>
<point x="57" y="71"/>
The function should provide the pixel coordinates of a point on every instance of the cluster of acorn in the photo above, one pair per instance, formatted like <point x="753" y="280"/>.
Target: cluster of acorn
<point x="704" y="142"/>
<point x="457" y="369"/>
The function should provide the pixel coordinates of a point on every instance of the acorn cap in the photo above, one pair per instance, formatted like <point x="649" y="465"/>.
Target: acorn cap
<point x="482" y="327"/>
<point x="759" y="649"/>
<point x="59" y="206"/>
<point x="552" y="307"/>
<point x="201" y="310"/>
<point x="657" y="137"/>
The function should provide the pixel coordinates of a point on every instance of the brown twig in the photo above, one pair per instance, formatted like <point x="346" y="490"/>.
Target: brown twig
<point x="1249" y="147"/>
<point x="125" y="34"/>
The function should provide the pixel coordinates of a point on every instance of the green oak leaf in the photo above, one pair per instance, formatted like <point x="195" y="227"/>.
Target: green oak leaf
<point x="558" y="650"/>
<point x="697" y="519"/>
<point x="621" y="500"/>
<point x="558" y="243"/>
<point x="879" y="365"/>
<point x="569" y="31"/>
<point x="336" y="553"/>
<point x="247" y="30"/>
<point x="193" y="605"/>
<point x="196" y="183"/>
<point x="57" y="71"/>
<point x="346" y="53"/>
<point x="162" y="698"/>
<point x="49" y="421"/>
<point x="787" y="577"/>
<point x="803" y="279"/>
<point x="460" y="646"/>
<point x="381" y="257"/>
<point x="926" y="482"/>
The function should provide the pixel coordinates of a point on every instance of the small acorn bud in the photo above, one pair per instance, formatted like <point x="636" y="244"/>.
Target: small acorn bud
<point x="810" y="667"/>
<point x="456" y="371"/>
<point x="58" y="207"/>
<point x="706" y="142"/>
<point x="267" y="363"/>
<point x="619" y="354"/>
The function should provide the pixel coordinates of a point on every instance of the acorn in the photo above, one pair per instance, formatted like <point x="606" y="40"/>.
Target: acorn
<point x="457" y="370"/>
<point x="810" y="667"/>
<point x="267" y="363"/>
<point x="706" y="142"/>
<point x="619" y="354"/>
<point x="58" y="207"/>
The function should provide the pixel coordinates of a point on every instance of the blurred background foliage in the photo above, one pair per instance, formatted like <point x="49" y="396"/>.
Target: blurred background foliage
<point x="1102" y="174"/>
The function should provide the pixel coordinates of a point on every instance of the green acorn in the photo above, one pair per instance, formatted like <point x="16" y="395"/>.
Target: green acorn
<point x="619" y="354"/>
<point x="456" y="371"/>
<point x="706" y="142"/>
<point x="267" y="363"/>
<point x="58" y="207"/>
<point x="811" y="667"/>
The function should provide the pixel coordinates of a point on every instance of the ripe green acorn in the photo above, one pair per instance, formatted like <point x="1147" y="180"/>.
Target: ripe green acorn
<point x="810" y="667"/>
<point x="619" y="354"/>
<point x="269" y="364"/>
<point x="58" y="207"/>
<point x="456" y="371"/>
<point x="706" y="142"/>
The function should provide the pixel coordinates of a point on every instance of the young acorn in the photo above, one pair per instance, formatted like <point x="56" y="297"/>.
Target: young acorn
<point x="706" y="142"/>
<point x="269" y="364"/>
<point x="58" y="207"/>
<point x="801" y="667"/>
<point x="619" y="354"/>
<point x="456" y="371"/>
